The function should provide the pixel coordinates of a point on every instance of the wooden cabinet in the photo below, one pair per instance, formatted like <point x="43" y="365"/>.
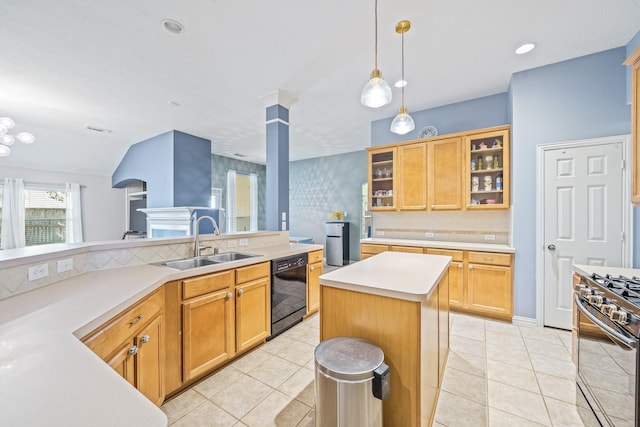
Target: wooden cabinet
<point x="314" y="271"/>
<point x="368" y="250"/>
<point x="132" y="344"/>
<point x="253" y="306"/>
<point x="487" y="169"/>
<point x="411" y="173"/>
<point x="445" y="170"/>
<point x="407" y="249"/>
<point x="489" y="290"/>
<point x="633" y="61"/>
<point x="382" y="188"/>
<point x="456" y="276"/>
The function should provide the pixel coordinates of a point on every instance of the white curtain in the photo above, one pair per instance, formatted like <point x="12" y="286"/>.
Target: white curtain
<point x="13" y="214"/>
<point x="231" y="201"/>
<point x="74" y="214"/>
<point x="253" y="190"/>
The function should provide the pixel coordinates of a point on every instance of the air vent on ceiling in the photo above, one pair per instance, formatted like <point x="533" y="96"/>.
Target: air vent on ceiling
<point x="240" y="155"/>
<point x="99" y="130"/>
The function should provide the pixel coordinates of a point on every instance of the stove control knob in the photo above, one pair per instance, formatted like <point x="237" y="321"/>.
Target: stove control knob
<point x="585" y="291"/>
<point x="607" y="308"/>
<point x="596" y="299"/>
<point x="619" y="316"/>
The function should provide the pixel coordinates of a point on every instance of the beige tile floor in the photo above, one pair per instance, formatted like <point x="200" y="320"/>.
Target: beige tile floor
<point x="498" y="374"/>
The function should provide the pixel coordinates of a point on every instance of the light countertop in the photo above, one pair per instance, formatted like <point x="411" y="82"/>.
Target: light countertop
<point x="392" y="274"/>
<point x="49" y="378"/>
<point x="588" y="270"/>
<point x="461" y="246"/>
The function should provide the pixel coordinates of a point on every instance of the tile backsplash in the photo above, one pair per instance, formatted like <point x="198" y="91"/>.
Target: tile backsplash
<point x="14" y="281"/>
<point x="451" y="226"/>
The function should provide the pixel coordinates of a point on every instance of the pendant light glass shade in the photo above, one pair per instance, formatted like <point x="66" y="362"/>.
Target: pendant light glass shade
<point x="7" y="122"/>
<point x="4" y="151"/>
<point x="26" y="138"/>
<point x="377" y="91"/>
<point x="7" y="139"/>
<point x="403" y="123"/>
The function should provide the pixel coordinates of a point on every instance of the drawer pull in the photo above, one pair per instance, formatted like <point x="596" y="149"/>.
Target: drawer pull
<point x="136" y="320"/>
<point x="133" y="351"/>
<point x="488" y="258"/>
<point x="145" y="339"/>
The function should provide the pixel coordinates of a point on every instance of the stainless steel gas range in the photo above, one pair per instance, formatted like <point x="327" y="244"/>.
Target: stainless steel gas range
<point x="607" y="310"/>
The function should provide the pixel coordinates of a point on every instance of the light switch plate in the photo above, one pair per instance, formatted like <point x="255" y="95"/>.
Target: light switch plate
<point x="379" y="233"/>
<point x="244" y="242"/>
<point x="232" y="243"/>
<point x="38" y="272"/>
<point x="429" y="234"/>
<point x="489" y="237"/>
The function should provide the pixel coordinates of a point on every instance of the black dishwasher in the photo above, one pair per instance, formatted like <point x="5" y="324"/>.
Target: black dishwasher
<point x="288" y="292"/>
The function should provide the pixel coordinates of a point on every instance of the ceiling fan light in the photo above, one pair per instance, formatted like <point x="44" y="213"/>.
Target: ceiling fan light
<point x="402" y="123"/>
<point x="376" y="92"/>
<point x="26" y="138"/>
<point x="7" y="139"/>
<point x="4" y="151"/>
<point x="7" y="122"/>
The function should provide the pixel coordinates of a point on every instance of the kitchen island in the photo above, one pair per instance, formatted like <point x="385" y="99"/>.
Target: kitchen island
<point x="399" y="302"/>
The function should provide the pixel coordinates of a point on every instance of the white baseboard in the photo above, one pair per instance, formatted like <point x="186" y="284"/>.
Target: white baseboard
<point x="524" y="321"/>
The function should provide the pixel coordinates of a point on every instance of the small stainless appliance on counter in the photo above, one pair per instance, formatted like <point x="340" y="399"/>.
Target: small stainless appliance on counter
<point x="288" y="292"/>
<point x="337" y="247"/>
<point x="608" y="333"/>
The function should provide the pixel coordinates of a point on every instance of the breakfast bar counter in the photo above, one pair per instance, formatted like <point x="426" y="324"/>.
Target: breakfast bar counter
<point x="399" y="302"/>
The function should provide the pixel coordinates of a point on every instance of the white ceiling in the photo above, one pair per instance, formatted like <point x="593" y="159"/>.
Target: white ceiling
<point x="68" y="64"/>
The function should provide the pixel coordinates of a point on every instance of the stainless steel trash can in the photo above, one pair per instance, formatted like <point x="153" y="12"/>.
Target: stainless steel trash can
<point x="351" y="382"/>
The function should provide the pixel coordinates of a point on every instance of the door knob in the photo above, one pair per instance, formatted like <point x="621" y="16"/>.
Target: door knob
<point x="551" y="247"/>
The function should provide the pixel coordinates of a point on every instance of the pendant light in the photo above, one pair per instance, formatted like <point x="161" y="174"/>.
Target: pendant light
<point x="376" y="92"/>
<point x="403" y="122"/>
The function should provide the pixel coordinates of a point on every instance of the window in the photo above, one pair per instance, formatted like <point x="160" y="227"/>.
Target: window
<point x="242" y="202"/>
<point x="45" y="216"/>
<point x="1" y="187"/>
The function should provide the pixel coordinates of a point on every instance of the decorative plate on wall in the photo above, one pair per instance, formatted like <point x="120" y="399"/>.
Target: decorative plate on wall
<point x="427" y="132"/>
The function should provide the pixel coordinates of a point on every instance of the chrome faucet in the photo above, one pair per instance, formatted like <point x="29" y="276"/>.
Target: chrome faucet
<point x="216" y="231"/>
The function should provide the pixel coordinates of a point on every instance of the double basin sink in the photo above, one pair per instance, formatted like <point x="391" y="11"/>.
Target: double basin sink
<point x="201" y="261"/>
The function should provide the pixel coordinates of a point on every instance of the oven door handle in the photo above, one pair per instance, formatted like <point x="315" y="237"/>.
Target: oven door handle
<point x="631" y="343"/>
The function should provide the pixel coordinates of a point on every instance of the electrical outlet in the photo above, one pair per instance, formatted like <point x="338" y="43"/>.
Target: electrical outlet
<point x="38" y="272"/>
<point x="429" y="234"/>
<point x="379" y="233"/>
<point x="65" y="265"/>
<point x="232" y="243"/>
<point x="244" y="242"/>
<point x="489" y="237"/>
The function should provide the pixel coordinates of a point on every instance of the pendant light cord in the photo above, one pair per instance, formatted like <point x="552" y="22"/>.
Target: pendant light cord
<point x="376" y="29"/>
<point x="404" y="84"/>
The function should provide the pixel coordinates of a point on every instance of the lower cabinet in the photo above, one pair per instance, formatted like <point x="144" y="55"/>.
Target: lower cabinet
<point x="133" y="345"/>
<point x="314" y="271"/>
<point x="253" y="313"/>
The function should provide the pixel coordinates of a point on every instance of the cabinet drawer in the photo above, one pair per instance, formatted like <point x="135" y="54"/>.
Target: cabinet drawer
<point x="204" y="284"/>
<point x="408" y="249"/>
<point x="491" y="258"/>
<point x="456" y="255"/>
<point x="253" y="272"/>
<point x="107" y="338"/>
<point x="315" y="256"/>
<point x="368" y="248"/>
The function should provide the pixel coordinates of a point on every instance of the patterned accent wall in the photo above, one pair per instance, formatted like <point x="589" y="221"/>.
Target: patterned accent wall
<point x="219" y="167"/>
<point x="320" y="186"/>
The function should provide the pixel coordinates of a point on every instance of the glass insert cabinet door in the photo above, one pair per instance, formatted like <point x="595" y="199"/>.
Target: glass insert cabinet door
<point x="488" y="170"/>
<point x="382" y="192"/>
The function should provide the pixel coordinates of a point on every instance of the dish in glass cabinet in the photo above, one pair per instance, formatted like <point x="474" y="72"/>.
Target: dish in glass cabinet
<point x="427" y="132"/>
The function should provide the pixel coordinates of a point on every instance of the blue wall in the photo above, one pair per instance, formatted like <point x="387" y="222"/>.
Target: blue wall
<point x="476" y="113"/>
<point x="576" y="99"/>
<point x="630" y="48"/>
<point x="176" y="167"/>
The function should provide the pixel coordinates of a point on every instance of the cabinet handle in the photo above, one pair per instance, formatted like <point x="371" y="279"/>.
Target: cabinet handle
<point x="459" y="265"/>
<point x="229" y="295"/>
<point x="240" y="292"/>
<point x="488" y="258"/>
<point x="133" y="350"/>
<point x="312" y="268"/>
<point x="136" y="320"/>
<point x="145" y="339"/>
<point x="433" y="206"/>
<point x="470" y="267"/>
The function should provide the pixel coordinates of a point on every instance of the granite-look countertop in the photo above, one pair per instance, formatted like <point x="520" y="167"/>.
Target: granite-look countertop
<point x="461" y="246"/>
<point x="48" y="377"/>
<point x="399" y="275"/>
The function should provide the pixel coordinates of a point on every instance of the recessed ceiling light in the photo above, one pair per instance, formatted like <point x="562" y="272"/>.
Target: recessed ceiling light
<point x="400" y="83"/>
<point x="173" y="26"/>
<point x="526" y="47"/>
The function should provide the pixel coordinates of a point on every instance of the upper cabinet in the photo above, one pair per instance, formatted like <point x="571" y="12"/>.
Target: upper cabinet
<point x="382" y="186"/>
<point x="412" y="179"/>
<point x="467" y="170"/>
<point x="488" y="170"/>
<point x="634" y="62"/>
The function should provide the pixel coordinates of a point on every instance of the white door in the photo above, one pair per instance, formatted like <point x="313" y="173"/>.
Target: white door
<point x="583" y="219"/>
